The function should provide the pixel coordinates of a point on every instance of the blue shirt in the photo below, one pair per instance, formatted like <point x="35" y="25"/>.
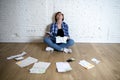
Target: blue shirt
<point x="54" y="29"/>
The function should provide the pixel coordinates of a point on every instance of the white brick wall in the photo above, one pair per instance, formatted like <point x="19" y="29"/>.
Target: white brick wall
<point x="88" y="20"/>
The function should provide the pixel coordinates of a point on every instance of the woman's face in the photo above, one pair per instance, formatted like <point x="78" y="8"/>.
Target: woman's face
<point x="59" y="16"/>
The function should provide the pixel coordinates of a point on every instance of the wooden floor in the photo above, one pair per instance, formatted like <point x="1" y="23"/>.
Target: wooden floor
<point x="107" y="69"/>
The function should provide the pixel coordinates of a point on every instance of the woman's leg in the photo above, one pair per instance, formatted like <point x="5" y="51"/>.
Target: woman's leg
<point x="50" y="43"/>
<point x="69" y="43"/>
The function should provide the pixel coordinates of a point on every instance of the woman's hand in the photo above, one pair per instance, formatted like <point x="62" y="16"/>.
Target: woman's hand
<point x="47" y="34"/>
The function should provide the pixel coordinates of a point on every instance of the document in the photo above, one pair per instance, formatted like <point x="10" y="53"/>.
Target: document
<point x="86" y="64"/>
<point x="19" y="58"/>
<point x="15" y="56"/>
<point x="26" y="62"/>
<point x="61" y="39"/>
<point x="95" y="60"/>
<point x="40" y="67"/>
<point x="63" y="66"/>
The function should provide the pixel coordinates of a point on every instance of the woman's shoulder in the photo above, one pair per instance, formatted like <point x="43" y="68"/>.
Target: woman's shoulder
<point x="64" y="23"/>
<point x="54" y="23"/>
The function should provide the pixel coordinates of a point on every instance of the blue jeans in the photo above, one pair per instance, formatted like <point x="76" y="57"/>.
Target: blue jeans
<point x="60" y="46"/>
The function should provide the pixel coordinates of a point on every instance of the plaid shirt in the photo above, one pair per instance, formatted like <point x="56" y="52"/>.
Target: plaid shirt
<point x="54" y="29"/>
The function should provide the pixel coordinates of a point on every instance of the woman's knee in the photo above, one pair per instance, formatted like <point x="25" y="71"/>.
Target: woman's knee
<point x="46" y="39"/>
<point x="71" y="42"/>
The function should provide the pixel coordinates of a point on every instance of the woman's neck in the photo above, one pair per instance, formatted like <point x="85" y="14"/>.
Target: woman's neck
<point x="59" y="23"/>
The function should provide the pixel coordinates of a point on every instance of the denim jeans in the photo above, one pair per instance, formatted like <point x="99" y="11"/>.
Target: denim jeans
<point x="60" y="46"/>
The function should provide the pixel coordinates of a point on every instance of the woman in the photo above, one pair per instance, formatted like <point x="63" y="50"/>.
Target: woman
<point x="58" y="28"/>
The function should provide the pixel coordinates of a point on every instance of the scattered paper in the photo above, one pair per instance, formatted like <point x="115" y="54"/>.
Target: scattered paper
<point x="63" y="66"/>
<point x="95" y="60"/>
<point x="86" y="64"/>
<point x="19" y="58"/>
<point x="26" y="62"/>
<point x="15" y="56"/>
<point x="40" y="67"/>
<point x="61" y="39"/>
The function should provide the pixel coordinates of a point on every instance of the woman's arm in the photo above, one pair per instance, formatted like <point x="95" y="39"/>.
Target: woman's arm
<point x="53" y="30"/>
<point x="66" y="29"/>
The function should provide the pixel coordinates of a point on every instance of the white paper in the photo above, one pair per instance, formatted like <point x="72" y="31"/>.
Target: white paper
<point x="19" y="58"/>
<point x="26" y="62"/>
<point x="15" y="56"/>
<point x="95" y="60"/>
<point x="86" y="64"/>
<point x="63" y="66"/>
<point x="40" y="67"/>
<point x="61" y="39"/>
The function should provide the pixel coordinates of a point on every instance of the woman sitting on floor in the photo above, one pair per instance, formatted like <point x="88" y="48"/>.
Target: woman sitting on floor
<point x="59" y="31"/>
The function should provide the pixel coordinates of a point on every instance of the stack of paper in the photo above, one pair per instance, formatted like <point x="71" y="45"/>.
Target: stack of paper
<point x="63" y="66"/>
<point x="16" y="56"/>
<point x="19" y="58"/>
<point x="86" y="64"/>
<point x="26" y="62"/>
<point x="40" y="67"/>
